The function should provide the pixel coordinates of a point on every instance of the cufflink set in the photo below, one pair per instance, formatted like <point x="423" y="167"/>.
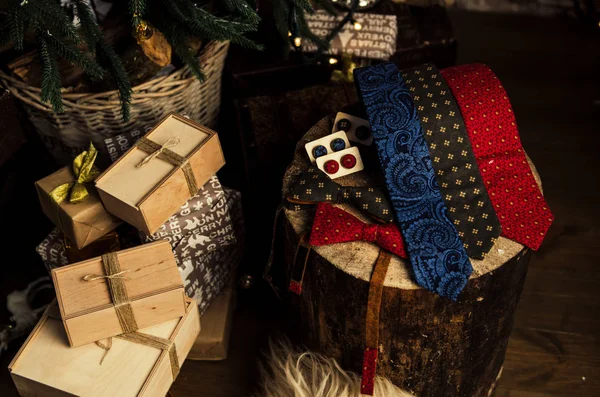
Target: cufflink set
<point x="357" y="129"/>
<point x="333" y="153"/>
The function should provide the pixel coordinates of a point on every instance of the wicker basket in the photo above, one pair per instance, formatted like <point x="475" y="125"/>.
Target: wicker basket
<point x="98" y="116"/>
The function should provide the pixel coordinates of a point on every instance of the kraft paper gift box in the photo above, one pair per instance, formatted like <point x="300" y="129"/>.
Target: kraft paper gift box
<point x="213" y="341"/>
<point x="46" y="365"/>
<point x="166" y="167"/>
<point x="82" y="223"/>
<point x="119" y="292"/>
<point x="207" y="238"/>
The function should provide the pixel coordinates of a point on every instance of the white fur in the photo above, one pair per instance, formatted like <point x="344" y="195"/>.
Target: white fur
<point x="290" y="373"/>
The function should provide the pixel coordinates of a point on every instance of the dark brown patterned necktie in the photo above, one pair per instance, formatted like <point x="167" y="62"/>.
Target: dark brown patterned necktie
<point x="456" y="168"/>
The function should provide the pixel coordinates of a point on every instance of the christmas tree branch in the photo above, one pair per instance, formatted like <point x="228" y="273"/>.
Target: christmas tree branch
<point x="72" y="53"/>
<point x="51" y="82"/>
<point x="181" y="21"/>
<point x="179" y="42"/>
<point x="55" y="19"/>
<point x="16" y="21"/>
<point x="243" y="9"/>
<point x="106" y="55"/>
<point x="137" y="8"/>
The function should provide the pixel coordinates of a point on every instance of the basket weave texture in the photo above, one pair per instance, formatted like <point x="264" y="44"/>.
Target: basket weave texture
<point x="98" y="116"/>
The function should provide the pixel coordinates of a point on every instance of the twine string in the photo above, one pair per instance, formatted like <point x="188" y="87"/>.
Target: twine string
<point x="94" y="277"/>
<point x="106" y="347"/>
<point x="164" y="153"/>
<point x="117" y="290"/>
<point x="52" y="311"/>
<point x="158" y="343"/>
<point x="155" y="152"/>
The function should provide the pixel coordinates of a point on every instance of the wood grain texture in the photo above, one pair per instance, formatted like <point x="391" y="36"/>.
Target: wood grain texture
<point x="46" y="365"/>
<point x="153" y="284"/>
<point x="213" y="341"/>
<point x="429" y="345"/>
<point x="147" y="196"/>
<point x="104" y="323"/>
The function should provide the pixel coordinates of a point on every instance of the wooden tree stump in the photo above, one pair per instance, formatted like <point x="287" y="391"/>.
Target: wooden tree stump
<point x="429" y="345"/>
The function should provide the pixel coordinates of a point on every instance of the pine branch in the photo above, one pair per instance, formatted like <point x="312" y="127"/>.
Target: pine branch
<point x="17" y="22"/>
<point x="51" y="82"/>
<point x="72" y="54"/>
<point x="91" y="32"/>
<point x="137" y="8"/>
<point x="173" y="8"/>
<point x="281" y="13"/>
<point x="179" y="42"/>
<point x="54" y="18"/>
<point x="204" y="24"/>
<point x="243" y="9"/>
<point x="119" y="75"/>
<point x="107" y="56"/>
<point x="303" y="5"/>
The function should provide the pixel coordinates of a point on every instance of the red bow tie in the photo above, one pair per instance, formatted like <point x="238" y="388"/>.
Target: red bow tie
<point x="333" y="225"/>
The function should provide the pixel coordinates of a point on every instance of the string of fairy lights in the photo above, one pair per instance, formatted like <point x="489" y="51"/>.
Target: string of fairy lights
<point x="352" y="6"/>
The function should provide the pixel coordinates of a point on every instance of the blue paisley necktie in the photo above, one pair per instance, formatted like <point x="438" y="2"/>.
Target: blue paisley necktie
<point x="436" y="252"/>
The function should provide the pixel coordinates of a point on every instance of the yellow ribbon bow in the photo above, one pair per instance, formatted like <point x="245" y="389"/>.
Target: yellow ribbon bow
<point x="85" y="172"/>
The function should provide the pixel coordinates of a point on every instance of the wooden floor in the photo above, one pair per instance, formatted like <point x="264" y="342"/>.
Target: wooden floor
<point x="550" y="70"/>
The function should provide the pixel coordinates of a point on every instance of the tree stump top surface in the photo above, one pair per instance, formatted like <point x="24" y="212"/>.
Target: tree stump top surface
<point x="358" y="258"/>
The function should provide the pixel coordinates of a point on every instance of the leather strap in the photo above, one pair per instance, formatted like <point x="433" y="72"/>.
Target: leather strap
<point x="372" y="323"/>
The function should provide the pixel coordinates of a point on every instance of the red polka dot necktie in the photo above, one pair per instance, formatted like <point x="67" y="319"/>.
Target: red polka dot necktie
<point x="490" y="122"/>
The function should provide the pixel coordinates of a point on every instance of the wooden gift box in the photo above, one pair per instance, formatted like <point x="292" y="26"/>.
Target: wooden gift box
<point x="212" y="344"/>
<point x="46" y="365"/>
<point x="82" y="223"/>
<point x="152" y="282"/>
<point x="147" y="196"/>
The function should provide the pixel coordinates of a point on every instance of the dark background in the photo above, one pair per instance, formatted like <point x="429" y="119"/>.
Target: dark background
<point x="549" y="67"/>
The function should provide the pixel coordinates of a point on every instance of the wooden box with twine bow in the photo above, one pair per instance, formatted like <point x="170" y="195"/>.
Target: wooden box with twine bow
<point x="144" y="363"/>
<point x="119" y="292"/>
<point x="160" y="172"/>
<point x="75" y="208"/>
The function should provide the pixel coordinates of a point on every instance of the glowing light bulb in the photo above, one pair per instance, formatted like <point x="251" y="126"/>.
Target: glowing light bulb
<point x="357" y="25"/>
<point x="333" y="61"/>
<point x="289" y="34"/>
<point x="297" y="41"/>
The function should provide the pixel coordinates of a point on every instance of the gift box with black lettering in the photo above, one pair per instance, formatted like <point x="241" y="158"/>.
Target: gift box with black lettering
<point x="371" y="36"/>
<point x="207" y="238"/>
<point x="57" y="250"/>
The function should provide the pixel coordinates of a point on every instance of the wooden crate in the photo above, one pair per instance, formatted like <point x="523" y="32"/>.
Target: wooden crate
<point x="46" y="365"/>
<point x="153" y="285"/>
<point x="147" y="196"/>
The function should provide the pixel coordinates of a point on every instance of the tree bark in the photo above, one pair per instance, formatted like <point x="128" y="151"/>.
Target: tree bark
<point x="429" y="345"/>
